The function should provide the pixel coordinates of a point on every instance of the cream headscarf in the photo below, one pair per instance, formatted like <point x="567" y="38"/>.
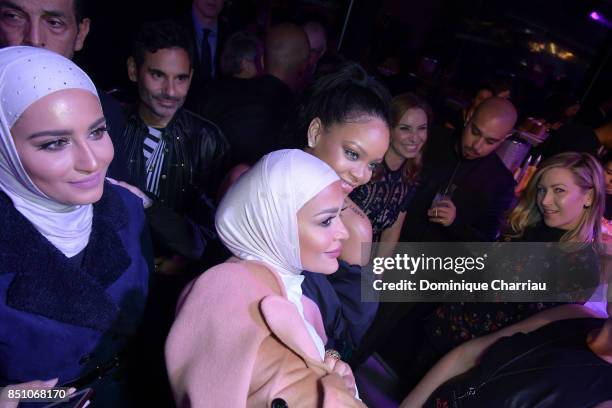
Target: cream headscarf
<point x="257" y="219"/>
<point x="28" y="74"/>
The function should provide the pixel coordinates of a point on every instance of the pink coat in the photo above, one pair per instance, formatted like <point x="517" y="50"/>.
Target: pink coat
<point x="237" y="341"/>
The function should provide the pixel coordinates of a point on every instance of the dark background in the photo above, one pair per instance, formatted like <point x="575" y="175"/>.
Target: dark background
<point x="444" y="47"/>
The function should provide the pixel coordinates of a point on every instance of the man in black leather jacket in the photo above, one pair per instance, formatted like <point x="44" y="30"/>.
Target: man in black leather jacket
<point x="175" y="156"/>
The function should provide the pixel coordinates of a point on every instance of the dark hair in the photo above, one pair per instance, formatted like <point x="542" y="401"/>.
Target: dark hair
<point x="239" y="46"/>
<point x="78" y="7"/>
<point x="340" y="97"/>
<point x="158" y="35"/>
<point x="606" y="158"/>
<point x="483" y="86"/>
<point x="500" y="85"/>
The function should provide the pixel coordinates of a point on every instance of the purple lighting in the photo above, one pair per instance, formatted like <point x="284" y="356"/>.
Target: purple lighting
<point x="595" y="15"/>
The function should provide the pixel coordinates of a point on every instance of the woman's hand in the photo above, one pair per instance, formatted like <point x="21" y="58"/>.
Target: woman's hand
<point x="341" y="368"/>
<point x="335" y="394"/>
<point x="38" y="384"/>
<point x="146" y="201"/>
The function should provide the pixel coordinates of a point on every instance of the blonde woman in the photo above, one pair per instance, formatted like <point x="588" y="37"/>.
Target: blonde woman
<point x="563" y="202"/>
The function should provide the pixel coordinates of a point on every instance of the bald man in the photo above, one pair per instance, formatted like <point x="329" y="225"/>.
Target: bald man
<point x="252" y="112"/>
<point x="286" y="54"/>
<point x="464" y="191"/>
<point x="465" y="188"/>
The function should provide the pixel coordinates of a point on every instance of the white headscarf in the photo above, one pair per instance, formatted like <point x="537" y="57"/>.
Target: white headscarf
<point x="257" y="219"/>
<point x="28" y="74"/>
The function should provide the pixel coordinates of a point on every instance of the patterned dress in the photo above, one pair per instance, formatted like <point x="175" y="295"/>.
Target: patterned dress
<point x="383" y="200"/>
<point x="454" y="323"/>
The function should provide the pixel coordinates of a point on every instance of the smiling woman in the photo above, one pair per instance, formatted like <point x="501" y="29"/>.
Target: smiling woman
<point x="343" y="119"/>
<point x="566" y="193"/>
<point x="274" y="336"/>
<point x="68" y="160"/>
<point x="386" y="197"/>
<point x="71" y="265"/>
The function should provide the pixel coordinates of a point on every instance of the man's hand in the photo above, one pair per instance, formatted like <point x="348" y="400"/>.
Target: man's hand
<point x="443" y="212"/>
<point x="146" y="201"/>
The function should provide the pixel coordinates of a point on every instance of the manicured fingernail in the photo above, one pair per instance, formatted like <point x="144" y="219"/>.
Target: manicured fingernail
<point x="71" y="390"/>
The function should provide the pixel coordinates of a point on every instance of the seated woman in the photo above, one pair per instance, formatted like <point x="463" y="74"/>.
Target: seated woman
<point x="561" y="357"/>
<point x="244" y="334"/>
<point x="386" y="197"/>
<point x="73" y="278"/>
<point x="563" y="202"/>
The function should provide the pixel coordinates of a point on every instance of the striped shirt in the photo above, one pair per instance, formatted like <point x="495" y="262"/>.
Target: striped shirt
<point x="153" y="150"/>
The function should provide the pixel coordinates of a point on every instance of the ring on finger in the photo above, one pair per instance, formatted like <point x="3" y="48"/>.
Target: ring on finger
<point x="333" y="354"/>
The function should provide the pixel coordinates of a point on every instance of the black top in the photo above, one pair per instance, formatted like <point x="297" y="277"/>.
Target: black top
<point x="383" y="200"/>
<point x="539" y="233"/>
<point x="608" y="209"/>
<point x="250" y="112"/>
<point x="338" y="296"/>
<point x="115" y="123"/>
<point x="484" y="192"/>
<point x="549" y="367"/>
<point x="195" y="161"/>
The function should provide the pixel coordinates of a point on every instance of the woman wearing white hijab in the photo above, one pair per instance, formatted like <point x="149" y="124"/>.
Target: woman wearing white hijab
<point x="73" y="279"/>
<point x="244" y="334"/>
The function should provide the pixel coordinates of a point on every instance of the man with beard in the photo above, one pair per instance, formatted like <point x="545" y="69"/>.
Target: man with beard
<point x="465" y="188"/>
<point x="173" y="155"/>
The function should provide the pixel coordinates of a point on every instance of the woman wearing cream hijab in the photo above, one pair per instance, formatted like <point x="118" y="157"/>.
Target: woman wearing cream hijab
<point x="73" y="280"/>
<point x="244" y="334"/>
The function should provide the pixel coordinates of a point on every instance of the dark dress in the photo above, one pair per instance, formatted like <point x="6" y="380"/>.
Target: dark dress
<point x="383" y="200"/>
<point x="549" y="367"/>
<point x="454" y="323"/>
<point x="63" y="317"/>
<point x="345" y="317"/>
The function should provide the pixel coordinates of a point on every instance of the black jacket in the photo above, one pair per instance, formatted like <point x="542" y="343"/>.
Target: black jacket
<point x="194" y="164"/>
<point x="195" y="160"/>
<point x="115" y="123"/>
<point x="484" y="192"/>
<point x="250" y="112"/>
<point x="550" y="367"/>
